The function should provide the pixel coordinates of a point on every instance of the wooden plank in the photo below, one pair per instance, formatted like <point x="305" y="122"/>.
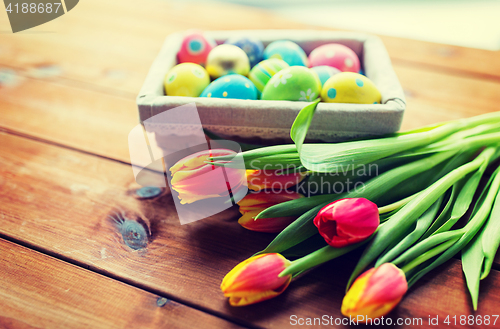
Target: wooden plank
<point x="88" y="120"/>
<point x="38" y="291"/>
<point x="435" y="96"/>
<point x="61" y="201"/>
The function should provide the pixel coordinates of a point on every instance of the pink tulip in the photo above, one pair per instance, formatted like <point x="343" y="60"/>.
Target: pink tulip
<point x="347" y="221"/>
<point x="194" y="179"/>
<point x="375" y="292"/>
<point x="256" y="279"/>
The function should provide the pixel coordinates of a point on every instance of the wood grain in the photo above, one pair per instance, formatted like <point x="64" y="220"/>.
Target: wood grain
<point x="67" y="204"/>
<point x="87" y="120"/>
<point x="38" y="291"/>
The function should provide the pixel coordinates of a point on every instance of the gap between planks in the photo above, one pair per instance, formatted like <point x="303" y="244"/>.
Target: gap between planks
<point x="42" y="259"/>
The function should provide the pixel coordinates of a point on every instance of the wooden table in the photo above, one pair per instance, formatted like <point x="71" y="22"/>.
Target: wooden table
<point x="67" y="104"/>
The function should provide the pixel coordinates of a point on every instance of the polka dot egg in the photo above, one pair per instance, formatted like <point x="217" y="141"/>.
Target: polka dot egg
<point x="231" y="86"/>
<point x="195" y="48"/>
<point x="325" y="72"/>
<point x="227" y="59"/>
<point x="335" y="55"/>
<point x="186" y="79"/>
<point x="296" y="83"/>
<point x="252" y="47"/>
<point x="264" y="71"/>
<point x="288" y="51"/>
<point x="349" y="87"/>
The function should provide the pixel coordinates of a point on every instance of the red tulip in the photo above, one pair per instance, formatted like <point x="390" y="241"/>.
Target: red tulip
<point x="347" y="221"/>
<point x="194" y="179"/>
<point x="375" y="292"/>
<point x="271" y="179"/>
<point x="252" y="204"/>
<point x="256" y="279"/>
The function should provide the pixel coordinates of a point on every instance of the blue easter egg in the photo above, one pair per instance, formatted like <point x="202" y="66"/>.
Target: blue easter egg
<point x="251" y="46"/>
<point x="231" y="86"/>
<point x="288" y="51"/>
<point x="325" y="72"/>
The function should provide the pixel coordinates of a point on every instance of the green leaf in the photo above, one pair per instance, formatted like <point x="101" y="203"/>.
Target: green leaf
<point x="464" y="199"/>
<point x="445" y="213"/>
<point x="302" y="122"/>
<point x="469" y="231"/>
<point x="300" y="230"/>
<point x="479" y="254"/>
<point x="472" y="261"/>
<point x="491" y="238"/>
<point x="421" y="226"/>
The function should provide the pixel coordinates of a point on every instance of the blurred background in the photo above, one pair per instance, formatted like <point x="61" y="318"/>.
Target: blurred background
<point x="467" y="23"/>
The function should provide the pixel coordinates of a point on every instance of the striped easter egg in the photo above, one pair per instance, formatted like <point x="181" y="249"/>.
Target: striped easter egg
<point x="262" y="72"/>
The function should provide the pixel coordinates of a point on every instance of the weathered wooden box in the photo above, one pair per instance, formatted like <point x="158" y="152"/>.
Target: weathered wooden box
<point x="271" y="120"/>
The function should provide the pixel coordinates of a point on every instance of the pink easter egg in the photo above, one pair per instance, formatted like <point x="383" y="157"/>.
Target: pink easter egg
<point x="335" y="55"/>
<point x="195" y="48"/>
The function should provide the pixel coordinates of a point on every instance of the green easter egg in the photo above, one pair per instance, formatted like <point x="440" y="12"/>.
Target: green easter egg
<point x="264" y="71"/>
<point x="296" y="83"/>
<point x="349" y="87"/>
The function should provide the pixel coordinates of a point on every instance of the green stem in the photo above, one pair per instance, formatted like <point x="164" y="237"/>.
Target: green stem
<point x="318" y="257"/>
<point x="427" y="244"/>
<point x="428" y="255"/>
<point x="395" y="205"/>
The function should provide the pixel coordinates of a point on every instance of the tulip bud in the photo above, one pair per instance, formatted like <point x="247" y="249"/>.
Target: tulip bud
<point x="194" y="179"/>
<point x="252" y="204"/>
<point x="347" y="221"/>
<point x="256" y="279"/>
<point x="375" y="293"/>
<point x="271" y="179"/>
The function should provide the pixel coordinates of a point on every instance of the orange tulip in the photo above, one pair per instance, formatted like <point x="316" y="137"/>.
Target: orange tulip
<point x="270" y="179"/>
<point x="252" y="204"/>
<point x="256" y="279"/>
<point x="194" y="179"/>
<point x="375" y="293"/>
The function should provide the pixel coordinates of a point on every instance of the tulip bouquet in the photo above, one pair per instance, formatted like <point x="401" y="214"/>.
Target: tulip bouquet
<point x="404" y="217"/>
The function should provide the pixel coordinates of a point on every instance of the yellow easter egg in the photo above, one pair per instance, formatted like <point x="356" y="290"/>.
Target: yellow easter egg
<point x="186" y="79"/>
<point x="349" y="87"/>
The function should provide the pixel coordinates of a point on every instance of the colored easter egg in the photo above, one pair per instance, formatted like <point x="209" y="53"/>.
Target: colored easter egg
<point x="288" y="51"/>
<point x="186" y="79"/>
<point x="325" y="72"/>
<point x="195" y="48"/>
<point x="335" y="55"/>
<point x="251" y="46"/>
<point x="295" y="83"/>
<point x="231" y="86"/>
<point x="349" y="87"/>
<point x="264" y="71"/>
<point x="227" y="59"/>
